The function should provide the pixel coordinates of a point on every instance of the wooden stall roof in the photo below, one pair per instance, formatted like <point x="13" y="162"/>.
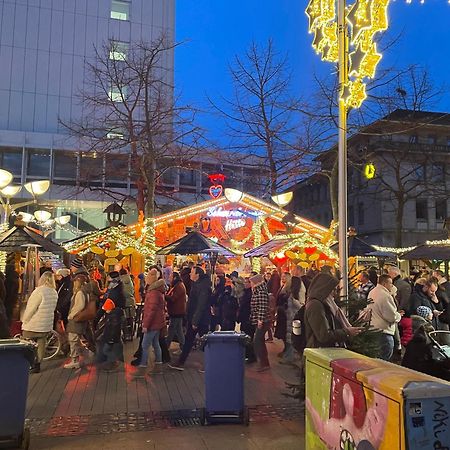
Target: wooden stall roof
<point x="247" y="201"/>
<point x="16" y="237"/>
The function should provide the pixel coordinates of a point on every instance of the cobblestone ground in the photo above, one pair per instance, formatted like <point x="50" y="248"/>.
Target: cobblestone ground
<point x="169" y="418"/>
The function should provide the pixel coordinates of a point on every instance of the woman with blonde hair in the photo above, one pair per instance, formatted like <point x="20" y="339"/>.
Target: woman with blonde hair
<point x="76" y="328"/>
<point x="39" y="313"/>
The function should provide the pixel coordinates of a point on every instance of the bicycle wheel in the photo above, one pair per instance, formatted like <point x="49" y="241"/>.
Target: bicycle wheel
<point x="53" y="345"/>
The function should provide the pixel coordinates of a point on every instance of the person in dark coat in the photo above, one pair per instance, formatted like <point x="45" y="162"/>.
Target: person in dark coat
<point x="282" y="303"/>
<point x="244" y="319"/>
<point x="108" y="332"/>
<point x="198" y="313"/>
<point x="115" y="290"/>
<point x="325" y="323"/>
<point x="4" y="329"/>
<point x="185" y="275"/>
<point x="12" y="290"/>
<point x="443" y="294"/>
<point x="229" y="309"/>
<point x="216" y="301"/>
<point x="426" y="296"/>
<point x="176" y="308"/>
<point x="64" y="289"/>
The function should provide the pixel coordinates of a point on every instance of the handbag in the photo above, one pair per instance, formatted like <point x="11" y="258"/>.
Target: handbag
<point x="88" y="313"/>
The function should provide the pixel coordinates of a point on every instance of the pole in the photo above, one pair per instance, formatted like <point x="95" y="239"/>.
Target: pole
<point x="342" y="149"/>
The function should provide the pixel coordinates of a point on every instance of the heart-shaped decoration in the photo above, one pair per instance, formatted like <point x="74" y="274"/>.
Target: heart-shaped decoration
<point x="215" y="191"/>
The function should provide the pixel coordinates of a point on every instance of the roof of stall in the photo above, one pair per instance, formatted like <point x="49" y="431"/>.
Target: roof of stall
<point x="247" y="201"/>
<point x="16" y="238"/>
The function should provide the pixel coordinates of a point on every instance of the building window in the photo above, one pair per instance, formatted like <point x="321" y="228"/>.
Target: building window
<point x="117" y="94"/>
<point x="38" y="163"/>
<point x="65" y="165"/>
<point x="169" y="176"/>
<point x="361" y="214"/>
<point x="438" y="172"/>
<point x="421" y="209"/>
<point x="91" y="167"/>
<point x="441" y="209"/>
<point x="120" y="10"/>
<point x="420" y="173"/>
<point x="413" y="139"/>
<point x="431" y="139"/>
<point x="187" y="177"/>
<point x="11" y="160"/>
<point x="118" y="51"/>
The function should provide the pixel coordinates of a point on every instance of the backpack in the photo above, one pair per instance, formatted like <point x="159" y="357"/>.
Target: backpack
<point x="299" y="340"/>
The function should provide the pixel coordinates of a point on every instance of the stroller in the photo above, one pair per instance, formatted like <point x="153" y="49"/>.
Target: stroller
<point x="441" y="352"/>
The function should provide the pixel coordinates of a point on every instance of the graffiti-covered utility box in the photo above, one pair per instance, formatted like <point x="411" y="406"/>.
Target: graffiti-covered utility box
<point x="358" y="403"/>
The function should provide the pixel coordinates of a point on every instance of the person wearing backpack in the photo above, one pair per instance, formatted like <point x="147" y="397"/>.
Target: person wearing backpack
<point x="325" y="323"/>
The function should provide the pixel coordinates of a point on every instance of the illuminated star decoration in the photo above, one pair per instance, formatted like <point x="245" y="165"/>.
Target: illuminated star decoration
<point x="322" y="22"/>
<point x="366" y="18"/>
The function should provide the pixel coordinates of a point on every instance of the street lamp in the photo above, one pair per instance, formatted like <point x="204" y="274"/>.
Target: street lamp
<point x="8" y="191"/>
<point x="346" y="36"/>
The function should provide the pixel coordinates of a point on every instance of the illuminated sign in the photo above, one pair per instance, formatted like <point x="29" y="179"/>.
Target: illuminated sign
<point x="369" y="171"/>
<point x="234" y="224"/>
<point x="218" y="211"/>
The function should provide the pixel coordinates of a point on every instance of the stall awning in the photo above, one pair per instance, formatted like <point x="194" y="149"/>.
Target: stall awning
<point x="14" y="240"/>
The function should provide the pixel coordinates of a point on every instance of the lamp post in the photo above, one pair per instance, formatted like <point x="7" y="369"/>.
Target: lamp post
<point x="345" y="35"/>
<point x="8" y="191"/>
<point x="44" y="219"/>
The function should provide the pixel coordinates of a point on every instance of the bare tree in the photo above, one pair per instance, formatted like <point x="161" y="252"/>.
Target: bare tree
<point x="409" y="88"/>
<point x="262" y="117"/>
<point x="131" y="116"/>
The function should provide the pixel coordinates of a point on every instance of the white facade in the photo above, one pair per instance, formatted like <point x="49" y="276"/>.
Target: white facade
<point x="43" y="48"/>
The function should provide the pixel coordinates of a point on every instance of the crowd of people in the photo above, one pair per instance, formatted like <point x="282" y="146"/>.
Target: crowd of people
<point x="95" y="313"/>
<point x="406" y="310"/>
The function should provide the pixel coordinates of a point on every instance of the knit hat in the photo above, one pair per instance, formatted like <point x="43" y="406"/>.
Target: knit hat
<point x="256" y="280"/>
<point x="77" y="263"/>
<point x="109" y="305"/>
<point x="424" y="311"/>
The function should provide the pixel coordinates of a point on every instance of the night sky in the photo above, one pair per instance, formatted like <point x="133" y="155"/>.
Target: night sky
<point x="216" y="30"/>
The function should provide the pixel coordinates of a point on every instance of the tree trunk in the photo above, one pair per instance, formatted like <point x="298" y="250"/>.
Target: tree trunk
<point x="399" y="222"/>
<point x="148" y="172"/>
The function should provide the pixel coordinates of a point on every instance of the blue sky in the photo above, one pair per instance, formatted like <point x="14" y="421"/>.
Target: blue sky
<point x="216" y="30"/>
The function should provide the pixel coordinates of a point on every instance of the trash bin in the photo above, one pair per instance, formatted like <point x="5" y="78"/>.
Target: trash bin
<point x="16" y="356"/>
<point x="224" y="378"/>
<point x="356" y="402"/>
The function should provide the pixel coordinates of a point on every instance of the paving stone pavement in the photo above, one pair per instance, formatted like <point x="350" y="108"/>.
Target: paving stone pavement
<point x="282" y="435"/>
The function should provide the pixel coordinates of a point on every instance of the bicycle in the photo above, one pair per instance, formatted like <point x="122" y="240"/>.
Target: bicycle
<point x="53" y="344"/>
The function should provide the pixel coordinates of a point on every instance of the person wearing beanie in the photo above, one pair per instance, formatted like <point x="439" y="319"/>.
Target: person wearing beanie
<point x="261" y="319"/>
<point x="108" y="332"/>
<point x="425" y="312"/>
<point x="325" y="323"/>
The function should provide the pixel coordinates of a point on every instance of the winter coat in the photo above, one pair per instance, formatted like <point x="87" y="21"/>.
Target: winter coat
<point x="64" y="290"/>
<point x="281" y="325"/>
<point x="259" y="304"/>
<point x="321" y="328"/>
<point x="198" y="308"/>
<point x="403" y="293"/>
<point x="293" y="305"/>
<point x="244" y="307"/>
<point x="128" y="290"/>
<point x="77" y="304"/>
<point x="39" y="313"/>
<point x="154" y="318"/>
<point x="109" y="326"/>
<point x="406" y="327"/>
<point x="229" y="306"/>
<point x="4" y="329"/>
<point x="384" y="310"/>
<point x="115" y="293"/>
<point x="419" y="298"/>
<point x="12" y="289"/>
<point x="176" y="300"/>
<point x="185" y="275"/>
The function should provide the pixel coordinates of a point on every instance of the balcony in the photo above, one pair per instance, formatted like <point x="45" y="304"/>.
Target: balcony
<point x="408" y="146"/>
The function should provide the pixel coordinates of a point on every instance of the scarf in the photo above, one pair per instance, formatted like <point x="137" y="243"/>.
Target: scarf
<point x="337" y="312"/>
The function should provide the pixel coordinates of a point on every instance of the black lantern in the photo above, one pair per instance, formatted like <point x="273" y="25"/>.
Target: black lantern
<point x="115" y="214"/>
